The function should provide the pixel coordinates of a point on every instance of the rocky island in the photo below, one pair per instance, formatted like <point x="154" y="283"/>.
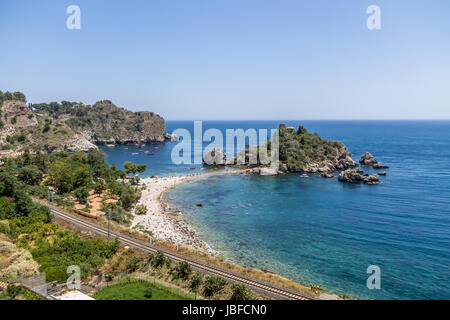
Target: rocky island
<point x="303" y="152"/>
<point x="74" y="126"/>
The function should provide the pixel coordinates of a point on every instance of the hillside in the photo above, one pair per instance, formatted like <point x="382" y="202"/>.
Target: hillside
<point x="74" y="126"/>
<point x="302" y="151"/>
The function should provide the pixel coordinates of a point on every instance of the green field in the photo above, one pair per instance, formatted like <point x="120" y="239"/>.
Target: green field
<point x="133" y="289"/>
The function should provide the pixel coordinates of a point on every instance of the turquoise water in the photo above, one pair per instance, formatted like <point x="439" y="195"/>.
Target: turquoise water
<point x="322" y="231"/>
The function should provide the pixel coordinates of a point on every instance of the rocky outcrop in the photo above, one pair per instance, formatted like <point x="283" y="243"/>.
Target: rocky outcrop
<point x="380" y="166"/>
<point x="357" y="176"/>
<point x="351" y="175"/>
<point x="372" y="179"/>
<point x="367" y="159"/>
<point x="16" y="113"/>
<point x="77" y="127"/>
<point x="268" y="171"/>
<point x="214" y="157"/>
<point x="172" y="137"/>
<point x="16" y="263"/>
<point x="327" y="175"/>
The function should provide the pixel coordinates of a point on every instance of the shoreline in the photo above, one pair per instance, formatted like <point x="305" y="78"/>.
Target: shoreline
<point x="163" y="219"/>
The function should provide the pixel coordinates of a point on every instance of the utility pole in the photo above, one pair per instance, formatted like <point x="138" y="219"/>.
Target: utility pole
<point x="109" y="222"/>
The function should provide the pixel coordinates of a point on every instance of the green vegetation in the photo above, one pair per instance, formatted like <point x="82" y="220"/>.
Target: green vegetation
<point x="196" y="282"/>
<point x="134" y="289"/>
<point x="11" y="96"/>
<point x="158" y="260"/>
<point x="53" y="126"/>
<point x="299" y="148"/>
<point x="64" y="249"/>
<point x="140" y="209"/>
<point x="240" y="292"/>
<point x="29" y="223"/>
<point x="70" y="175"/>
<point x="213" y="285"/>
<point x="182" y="270"/>
<point x="16" y="292"/>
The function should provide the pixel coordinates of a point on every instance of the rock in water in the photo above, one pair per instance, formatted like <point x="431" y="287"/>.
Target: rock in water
<point x="327" y="175"/>
<point x="372" y="179"/>
<point x="214" y="157"/>
<point x="379" y="166"/>
<point x="351" y="175"/>
<point x="367" y="159"/>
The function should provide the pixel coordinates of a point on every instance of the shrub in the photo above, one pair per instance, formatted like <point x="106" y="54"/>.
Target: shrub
<point x="133" y="264"/>
<point x="183" y="270"/>
<point x="81" y="194"/>
<point x="140" y="209"/>
<point x="213" y="285"/>
<point x="7" y="208"/>
<point x="99" y="187"/>
<point x="30" y="176"/>
<point x="148" y="292"/>
<point x="158" y="259"/>
<point x="196" y="282"/>
<point x="13" y="291"/>
<point x="240" y="292"/>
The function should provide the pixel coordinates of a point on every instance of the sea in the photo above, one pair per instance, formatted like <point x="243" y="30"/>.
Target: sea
<point x="321" y="231"/>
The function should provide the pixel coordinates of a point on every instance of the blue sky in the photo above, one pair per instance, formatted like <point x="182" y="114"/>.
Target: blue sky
<point x="234" y="59"/>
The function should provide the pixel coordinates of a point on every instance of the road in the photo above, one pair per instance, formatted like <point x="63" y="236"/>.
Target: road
<point x="257" y="285"/>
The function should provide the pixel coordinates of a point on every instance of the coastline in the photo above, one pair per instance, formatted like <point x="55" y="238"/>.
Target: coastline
<point x="163" y="219"/>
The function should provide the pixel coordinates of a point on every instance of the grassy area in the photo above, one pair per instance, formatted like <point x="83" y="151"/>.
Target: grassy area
<point x="134" y="289"/>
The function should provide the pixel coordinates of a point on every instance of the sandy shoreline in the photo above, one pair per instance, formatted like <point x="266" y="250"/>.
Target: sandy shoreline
<point x="163" y="219"/>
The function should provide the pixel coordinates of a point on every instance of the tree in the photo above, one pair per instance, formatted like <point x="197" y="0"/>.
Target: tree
<point x="19" y="96"/>
<point x="67" y="175"/>
<point x="196" y="282"/>
<point x="213" y="285"/>
<point x="7" y="208"/>
<point x="30" y="175"/>
<point x="183" y="270"/>
<point x="240" y="292"/>
<point x="131" y="168"/>
<point x="82" y="194"/>
<point x="157" y="260"/>
<point x="99" y="187"/>
<point x="133" y="264"/>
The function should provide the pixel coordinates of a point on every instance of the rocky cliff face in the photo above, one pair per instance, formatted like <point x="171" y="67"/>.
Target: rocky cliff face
<point x="75" y="126"/>
<point x="109" y="124"/>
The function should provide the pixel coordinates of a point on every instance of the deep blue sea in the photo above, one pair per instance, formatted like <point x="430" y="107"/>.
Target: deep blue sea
<point x="323" y="231"/>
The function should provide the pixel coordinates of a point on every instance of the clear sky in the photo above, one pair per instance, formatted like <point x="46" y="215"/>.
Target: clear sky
<point x="233" y="59"/>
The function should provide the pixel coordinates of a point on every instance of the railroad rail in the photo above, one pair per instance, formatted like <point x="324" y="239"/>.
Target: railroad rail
<point x="257" y="285"/>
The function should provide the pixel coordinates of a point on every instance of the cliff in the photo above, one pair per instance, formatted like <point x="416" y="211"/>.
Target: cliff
<point x="74" y="126"/>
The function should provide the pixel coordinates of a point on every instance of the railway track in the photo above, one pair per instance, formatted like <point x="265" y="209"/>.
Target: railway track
<point x="260" y="286"/>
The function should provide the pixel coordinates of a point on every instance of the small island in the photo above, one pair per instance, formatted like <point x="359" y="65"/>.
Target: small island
<point x="303" y="152"/>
